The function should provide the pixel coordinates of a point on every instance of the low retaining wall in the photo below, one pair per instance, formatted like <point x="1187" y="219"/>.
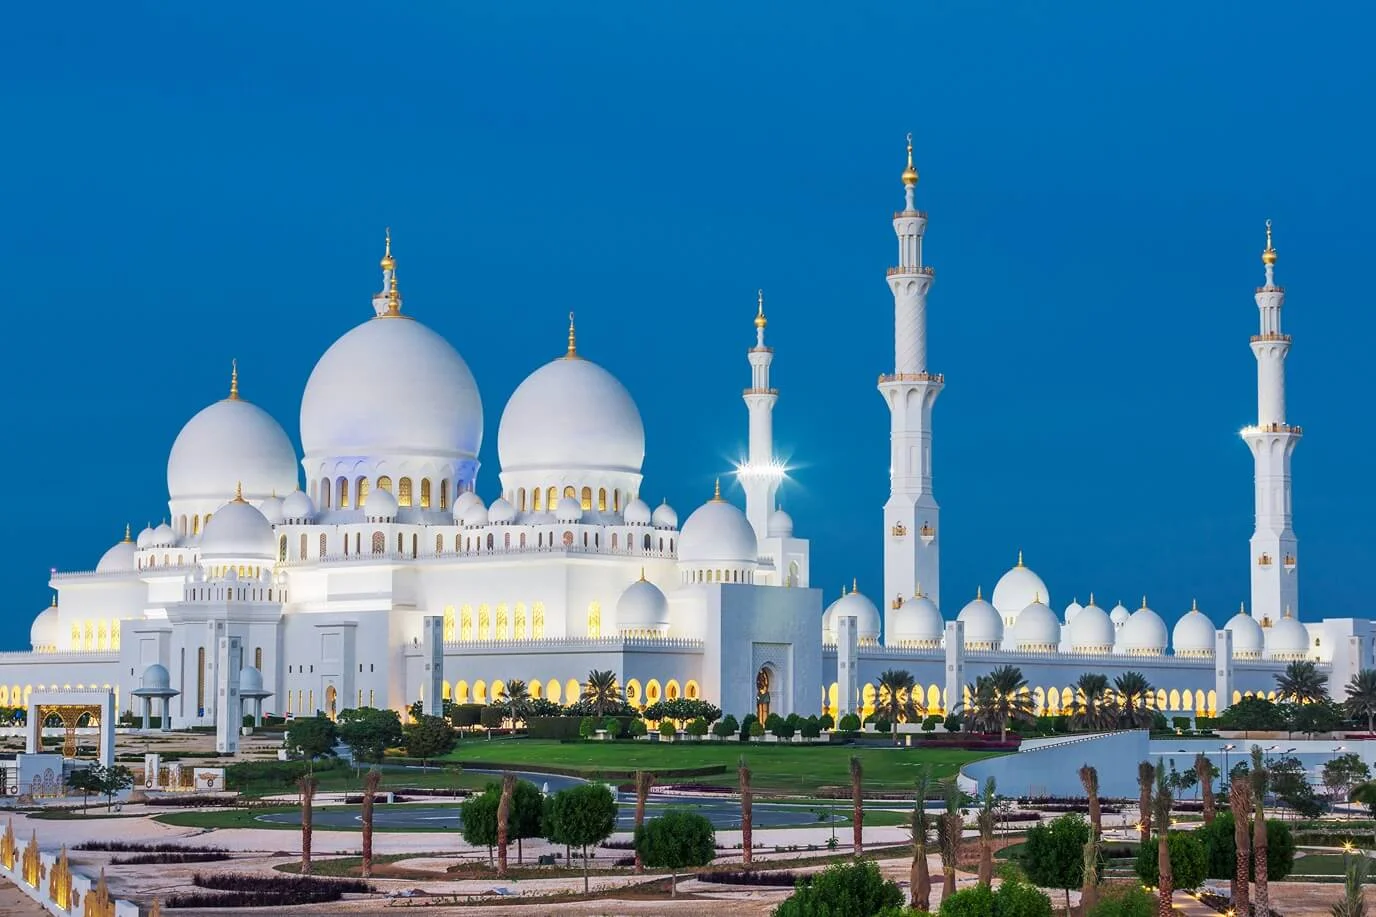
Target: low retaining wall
<point x="48" y="879"/>
<point x="1053" y="767"/>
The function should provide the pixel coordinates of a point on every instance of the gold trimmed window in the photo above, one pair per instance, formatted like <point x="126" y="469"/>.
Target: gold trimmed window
<point x="425" y="493"/>
<point x="384" y="483"/>
<point x="404" y="492"/>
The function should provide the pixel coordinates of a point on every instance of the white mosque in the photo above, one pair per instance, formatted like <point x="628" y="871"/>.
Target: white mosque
<point x="371" y="571"/>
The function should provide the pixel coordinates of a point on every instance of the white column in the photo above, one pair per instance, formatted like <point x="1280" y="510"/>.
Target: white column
<point x="847" y="668"/>
<point x="229" y="659"/>
<point x="432" y="655"/>
<point x="1223" y="669"/>
<point x="955" y="664"/>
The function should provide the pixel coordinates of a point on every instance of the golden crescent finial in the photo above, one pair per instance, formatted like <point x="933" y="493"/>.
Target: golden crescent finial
<point x="1268" y="257"/>
<point x="1019" y="557"/>
<point x="233" y="380"/>
<point x="387" y="261"/>
<point x="573" y="341"/>
<point x="127" y="536"/>
<point x="979" y="593"/>
<point x="716" y="492"/>
<point x="759" y="312"/>
<point x="855" y="584"/>
<point x="910" y="173"/>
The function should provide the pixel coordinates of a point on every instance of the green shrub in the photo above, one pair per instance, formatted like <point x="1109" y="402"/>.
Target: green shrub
<point x="1181" y="723"/>
<point x="1124" y="901"/>
<point x="666" y="729"/>
<point x="1188" y="861"/>
<point x="1018" y="899"/>
<point x="637" y="728"/>
<point x="1220" y="848"/>
<point x="883" y="725"/>
<point x="697" y="727"/>
<point x="977" y="901"/>
<point x="826" y="721"/>
<point x="849" y="723"/>
<point x="587" y="727"/>
<point x="491" y="717"/>
<point x="811" y="728"/>
<point x="756" y="730"/>
<point x="842" y="889"/>
<point x="725" y="727"/>
<point x="552" y="727"/>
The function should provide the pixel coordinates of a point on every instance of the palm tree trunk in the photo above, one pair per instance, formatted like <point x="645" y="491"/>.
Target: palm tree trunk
<point x="1166" y="889"/>
<point x="1203" y="770"/>
<point x="1262" y="898"/>
<point x="1240" y="801"/>
<point x="504" y="821"/>
<point x="919" y="877"/>
<point x="857" y="773"/>
<point x="986" y="860"/>
<point x="1089" y="891"/>
<point x="747" y="839"/>
<point x="370" y="783"/>
<point x="307" y="784"/>
<point x="643" y="781"/>
<point x="1146" y="773"/>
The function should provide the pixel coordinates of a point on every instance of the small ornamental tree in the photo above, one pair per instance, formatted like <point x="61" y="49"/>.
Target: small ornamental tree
<point x="429" y="738"/>
<point x="849" y="723"/>
<point x="1220" y="848"/>
<point x="1124" y="901"/>
<point x="756" y="730"/>
<point x="676" y="840"/>
<point x="811" y="728"/>
<point x="85" y="781"/>
<point x="637" y="728"/>
<point x="478" y="819"/>
<point x="1054" y="854"/>
<point x="782" y="728"/>
<point x="582" y="815"/>
<point x="843" y="889"/>
<point x="587" y="727"/>
<point x="1188" y="861"/>
<point x="112" y="779"/>
<point x="697" y="727"/>
<point x="369" y="732"/>
<point x="311" y="737"/>
<point x="666" y="729"/>
<point x="826" y="721"/>
<point x="724" y="728"/>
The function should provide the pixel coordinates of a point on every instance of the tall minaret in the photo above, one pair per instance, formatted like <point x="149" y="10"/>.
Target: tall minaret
<point x="1275" y="583"/>
<point x="911" y="536"/>
<point x="761" y="474"/>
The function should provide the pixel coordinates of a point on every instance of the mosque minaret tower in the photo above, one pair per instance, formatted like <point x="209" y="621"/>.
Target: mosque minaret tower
<point x="760" y="477"/>
<point x="911" y="531"/>
<point x="1275" y="584"/>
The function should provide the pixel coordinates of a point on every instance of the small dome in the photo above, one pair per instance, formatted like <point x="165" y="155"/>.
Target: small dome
<point x="381" y="504"/>
<point x="155" y="678"/>
<point x="1017" y="589"/>
<point x="983" y="624"/>
<point x="780" y="524"/>
<point x="1193" y="634"/>
<point x="1248" y="639"/>
<point x="568" y="510"/>
<point x="238" y="530"/>
<point x="121" y="558"/>
<point x="463" y="503"/>
<point x="638" y="513"/>
<point x="642" y="607"/>
<point x="46" y="631"/>
<point x="163" y="537"/>
<point x="145" y="538"/>
<point x="664" y="517"/>
<point x="501" y="512"/>
<point x="853" y="605"/>
<point x="297" y="507"/>
<point x="230" y="444"/>
<point x="718" y="532"/>
<point x="1091" y="630"/>
<point x="1072" y="610"/>
<point x="1144" y="634"/>
<point x="271" y="508"/>
<point x="250" y="679"/>
<point x="1119" y="615"/>
<point x="1037" y="629"/>
<point x="917" y="622"/>
<point x="1287" y="639"/>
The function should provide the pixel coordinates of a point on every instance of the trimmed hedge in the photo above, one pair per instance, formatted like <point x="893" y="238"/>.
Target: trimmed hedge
<point x="241" y="890"/>
<point x="188" y="856"/>
<point x="777" y="878"/>
<point x="596" y="773"/>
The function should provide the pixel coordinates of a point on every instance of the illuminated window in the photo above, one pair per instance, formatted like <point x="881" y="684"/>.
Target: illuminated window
<point x="379" y="543"/>
<point x="570" y="492"/>
<point x="404" y="492"/>
<point x="89" y="638"/>
<point x="444" y="494"/>
<point x="114" y="634"/>
<point x="536" y="499"/>
<point x="602" y="499"/>
<point x="195" y="525"/>
<point x="448" y="623"/>
<point x="551" y="498"/>
<point x="361" y="491"/>
<point x="258" y="658"/>
<point x="425" y="493"/>
<point x="594" y="620"/>
<point x="616" y="500"/>
<point x="520" y="622"/>
<point x="466" y="623"/>
<point x="587" y="499"/>
<point x="384" y="483"/>
<point x="537" y="621"/>
<point x="102" y="637"/>
<point x="484" y="623"/>
<point x="343" y="493"/>
<point x="370" y="697"/>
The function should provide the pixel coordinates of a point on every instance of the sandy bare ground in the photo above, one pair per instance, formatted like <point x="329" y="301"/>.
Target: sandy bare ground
<point x="15" y="903"/>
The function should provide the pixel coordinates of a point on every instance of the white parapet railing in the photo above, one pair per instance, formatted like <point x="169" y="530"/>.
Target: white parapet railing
<point x="51" y="881"/>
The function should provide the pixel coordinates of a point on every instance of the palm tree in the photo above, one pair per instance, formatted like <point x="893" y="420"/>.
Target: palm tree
<point x="1010" y="700"/>
<point x="985" y="819"/>
<point x="977" y="713"/>
<point x="1361" y="697"/>
<point x="1136" y="696"/>
<point x="1146" y="774"/>
<point x="1365" y="793"/>
<point x="1204" y="771"/>
<point x="948" y="832"/>
<point x="1089" y="893"/>
<point x="370" y="784"/>
<point x="1262" y="899"/>
<point x="857" y="803"/>
<point x="1240" y="801"/>
<point x="1161" y="808"/>
<point x="307" y="784"/>
<point x="1092" y="710"/>
<point x="895" y="692"/>
<point x="1358" y="866"/>
<point x="504" y="820"/>
<point x="919" y="879"/>
<point x="514" y="700"/>
<point x="643" y="781"/>
<point x="1302" y="683"/>
<point x="747" y="800"/>
<point x="602" y="691"/>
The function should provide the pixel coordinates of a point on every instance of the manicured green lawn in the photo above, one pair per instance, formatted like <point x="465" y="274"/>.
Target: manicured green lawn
<point x="1322" y="864"/>
<point x="776" y="769"/>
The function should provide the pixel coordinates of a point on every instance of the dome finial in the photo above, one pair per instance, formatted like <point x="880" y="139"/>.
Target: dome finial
<point x="54" y="604"/>
<point x="1194" y="604"/>
<point x="1091" y="598"/>
<point x="855" y="584"/>
<point x="393" y="297"/>
<point x="573" y="341"/>
<point x="910" y="173"/>
<point x="760" y="320"/>
<point x="239" y="492"/>
<point x="1144" y="601"/>
<point x="642" y="574"/>
<point x="1019" y="557"/>
<point x="917" y="590"/>
<point x="387" y="262"/>
<point x="716" y="492"/>
<point x="1288" y="613"/>
<point x="1268" y="257"/>
<point x="979" y="593"/>
<point x="127" y="537"/>
<point x="233" y="380"/>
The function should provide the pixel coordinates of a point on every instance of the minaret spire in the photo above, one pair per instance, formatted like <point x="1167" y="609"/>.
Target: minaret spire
<point x="573" y="342"/>
<point x="233" y="380"/>
<point x="1275" y="582"/>
<point x="760" y="474"/>
<point x="387" y="304"/>
<point x="911" y="531"/>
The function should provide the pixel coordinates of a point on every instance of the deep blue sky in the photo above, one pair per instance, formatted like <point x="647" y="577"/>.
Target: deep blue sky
<point x="186" y="183"/>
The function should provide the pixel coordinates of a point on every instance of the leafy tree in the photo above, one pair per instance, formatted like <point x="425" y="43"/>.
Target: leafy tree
<point x="110" y="780"/>
<point x="1005" y="698"/>
<point x="849" y="723"/>
<point x="1252" y="714"/>
<point x="1187" y="861"/>
<point x="1136" y="697"/>
<point x="1053" y="855"/>
<point x="1015" y="898"/>
<point x="1319" y="716"/>
<point x="637" y="728"/>
<point x="811" y="728"/>
<point x="895" y="689"/>
<point x="1220" y="848"/>
<point x="1302" y="683"/>
<point x="429" y="738"/>
<point x="478" y="817"/>
<point x="678" y="839"/>
<point x="842" y="890"/>
<point x="782" y="728"/>
<point x="1365" y="793"/>
<point x="726" y="727"/>
<point x="1092" y="710"/>
<point x="826" y="721"/>
<point x="602" y="692"/>
<point x="756" y="729"/>
<point x="587" y="727"/>
<point x="668" y="730"/>
<point x="951" y="723"/>
<point x="976" y="901"/>
<point x="1292" y="788"/>
<point x="527" y="815"/>
<point x="311" y="737"/>
<point x="369" y="732"/>
<point x="1124" y="901"/>
<point x="582" y="815"/>
<point x="697" y="727"/>
<point x="85" y="781"/>
<point x="1361" y="697"/>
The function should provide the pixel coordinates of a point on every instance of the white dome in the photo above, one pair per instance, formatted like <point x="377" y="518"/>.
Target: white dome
<point x="637" y="513"/>
<point x="916" y="621"/>
<point x="571" y="414"/>
<point x="1119" y="615"/>
<point x="1037" y="629"/>
<point x="238" y="530"/>
<point x="568" y="510"/>
<point x="163" y="537"/>
<point x="1072" y="610"/>
<point x="391" y="386"/>
<point x="297" y="507"/>
<point x="121" y="558"/>
<point x="463" y="503"/>
<point x="1287" y="639"/>
<point x="664" y="517"/>
<point x="501" y="512"/>
<point x="718" y="532"/>
<point x="250" y="679"/>
<point x="145" y="538"/>
<point x="381" y="504"/>
<point x="155" y="678"/>
<point x="1193" y="634"/>
<point x="983" y="624"/>
<point x="1091" y="630"/>
<point x="1144" y="634"/>
<point x="271" y="508"/>
<point x="229" y="444"/>
<point x="1248" y="639"/>
<point x="1017" y="589"/>
<point x="852" y="605"/>
<point x="46" y="630"/>
<point x="642" y="607"/>
<point x="780" y="524"/>
<point x="828" y="621"/>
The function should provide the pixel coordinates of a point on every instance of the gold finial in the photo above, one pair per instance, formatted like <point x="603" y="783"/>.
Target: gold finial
<point x="1268" y="257"/>
<point x="239" y="492"/>
<point x="233" y="380"/>
<point x="910" y="173"/>
<point x="1288" y="612"/>
<point x="855" y="584"/>
<point x="1144" y="601"/>
<point x="1091" y="598"/>
<point x="979" y="593"/>
<point x="54" y="605"/>
<point x="917" y="590"/>
<point x="388" y="262"/>
<point x="1036" y="597"/>
<point x="126" y="533"/>
<point x="760" y="321"/>
<point x="1019" y="557"/>
<point x="573" y="341"/>
<point x="642" y="574"/>
<point x="716" y="492"/>
<point x="393" y="297"/>
<point x="1194" y="605"/>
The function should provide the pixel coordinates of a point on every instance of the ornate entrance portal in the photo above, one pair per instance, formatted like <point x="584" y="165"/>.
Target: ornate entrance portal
<point x="70" y="711"/>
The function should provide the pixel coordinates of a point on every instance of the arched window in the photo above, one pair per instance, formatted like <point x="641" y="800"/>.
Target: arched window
<point x="343" y="493"/>
<point x="551" y="498"/>
<point x="616" y="501"/>
<point x="404" y="492"/>
<point x="258" y="658"/>
<point x="444" y="494"/>
<point x="613" y="541"/>
<point x="573" y="690"/>
<point x="601" y="499"/>
<point x="536" y="499"/>
<point x="587" y="499"/>
<point x="200" y="681"/>
<point x="503" y="623"/>
<point x="520" y="624"/>
<point x="647" y="542"/>
<point x="196" y="525"/>
<point x="384" y="483"/>
<point x="480" y="692"/>
<point x="521" y="499"/>
<point x="484" y="623"/>
<point x="489" y="541"/>
<point x="570" y="492"/>
<point x="439" y="545"/>
<point x="425" y="493"/>
<point x="415" y="545"/>
<point x="506" y="540"/>
<point x="523" y="539"/>
<point x="537" y="620"/>
<point x="671" y="690"/>
<point x="361" y="492"/>
<point x="322" y="546"/>
<point x="595" y="620"/>
<point x="325" y="490"/>
<point x="282" y="548"/>
<point x="379" y="543"/>
<point x="400" y="544"/>
<point x="553" y="690"/>
<point x="460" y="692"/>
<point x="346" y="544"/>
<point x="691" y="690"/>
<point x="466" y="623"/>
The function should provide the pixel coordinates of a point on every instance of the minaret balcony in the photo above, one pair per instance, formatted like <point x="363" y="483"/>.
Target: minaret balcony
<point x="909" y="214"/>
<point x="760" y="391"/>
<point x="926" y="270"/>
<point x="1271" y="336"/>
<point x="1273" y="428"/>
<point x="911" y="377"/>
<point x="1264" y="560"/>
<point x="1271" y="289"/>
<point x="1289" y="563"/>
<point x="927" y="533"/>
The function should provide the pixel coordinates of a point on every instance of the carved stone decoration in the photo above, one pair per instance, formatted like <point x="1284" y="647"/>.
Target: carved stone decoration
<point x="98" y="901"/>
<point x="33" y="869"/>
<point x="9" y="851"/>
<point x="60" y="882"/>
